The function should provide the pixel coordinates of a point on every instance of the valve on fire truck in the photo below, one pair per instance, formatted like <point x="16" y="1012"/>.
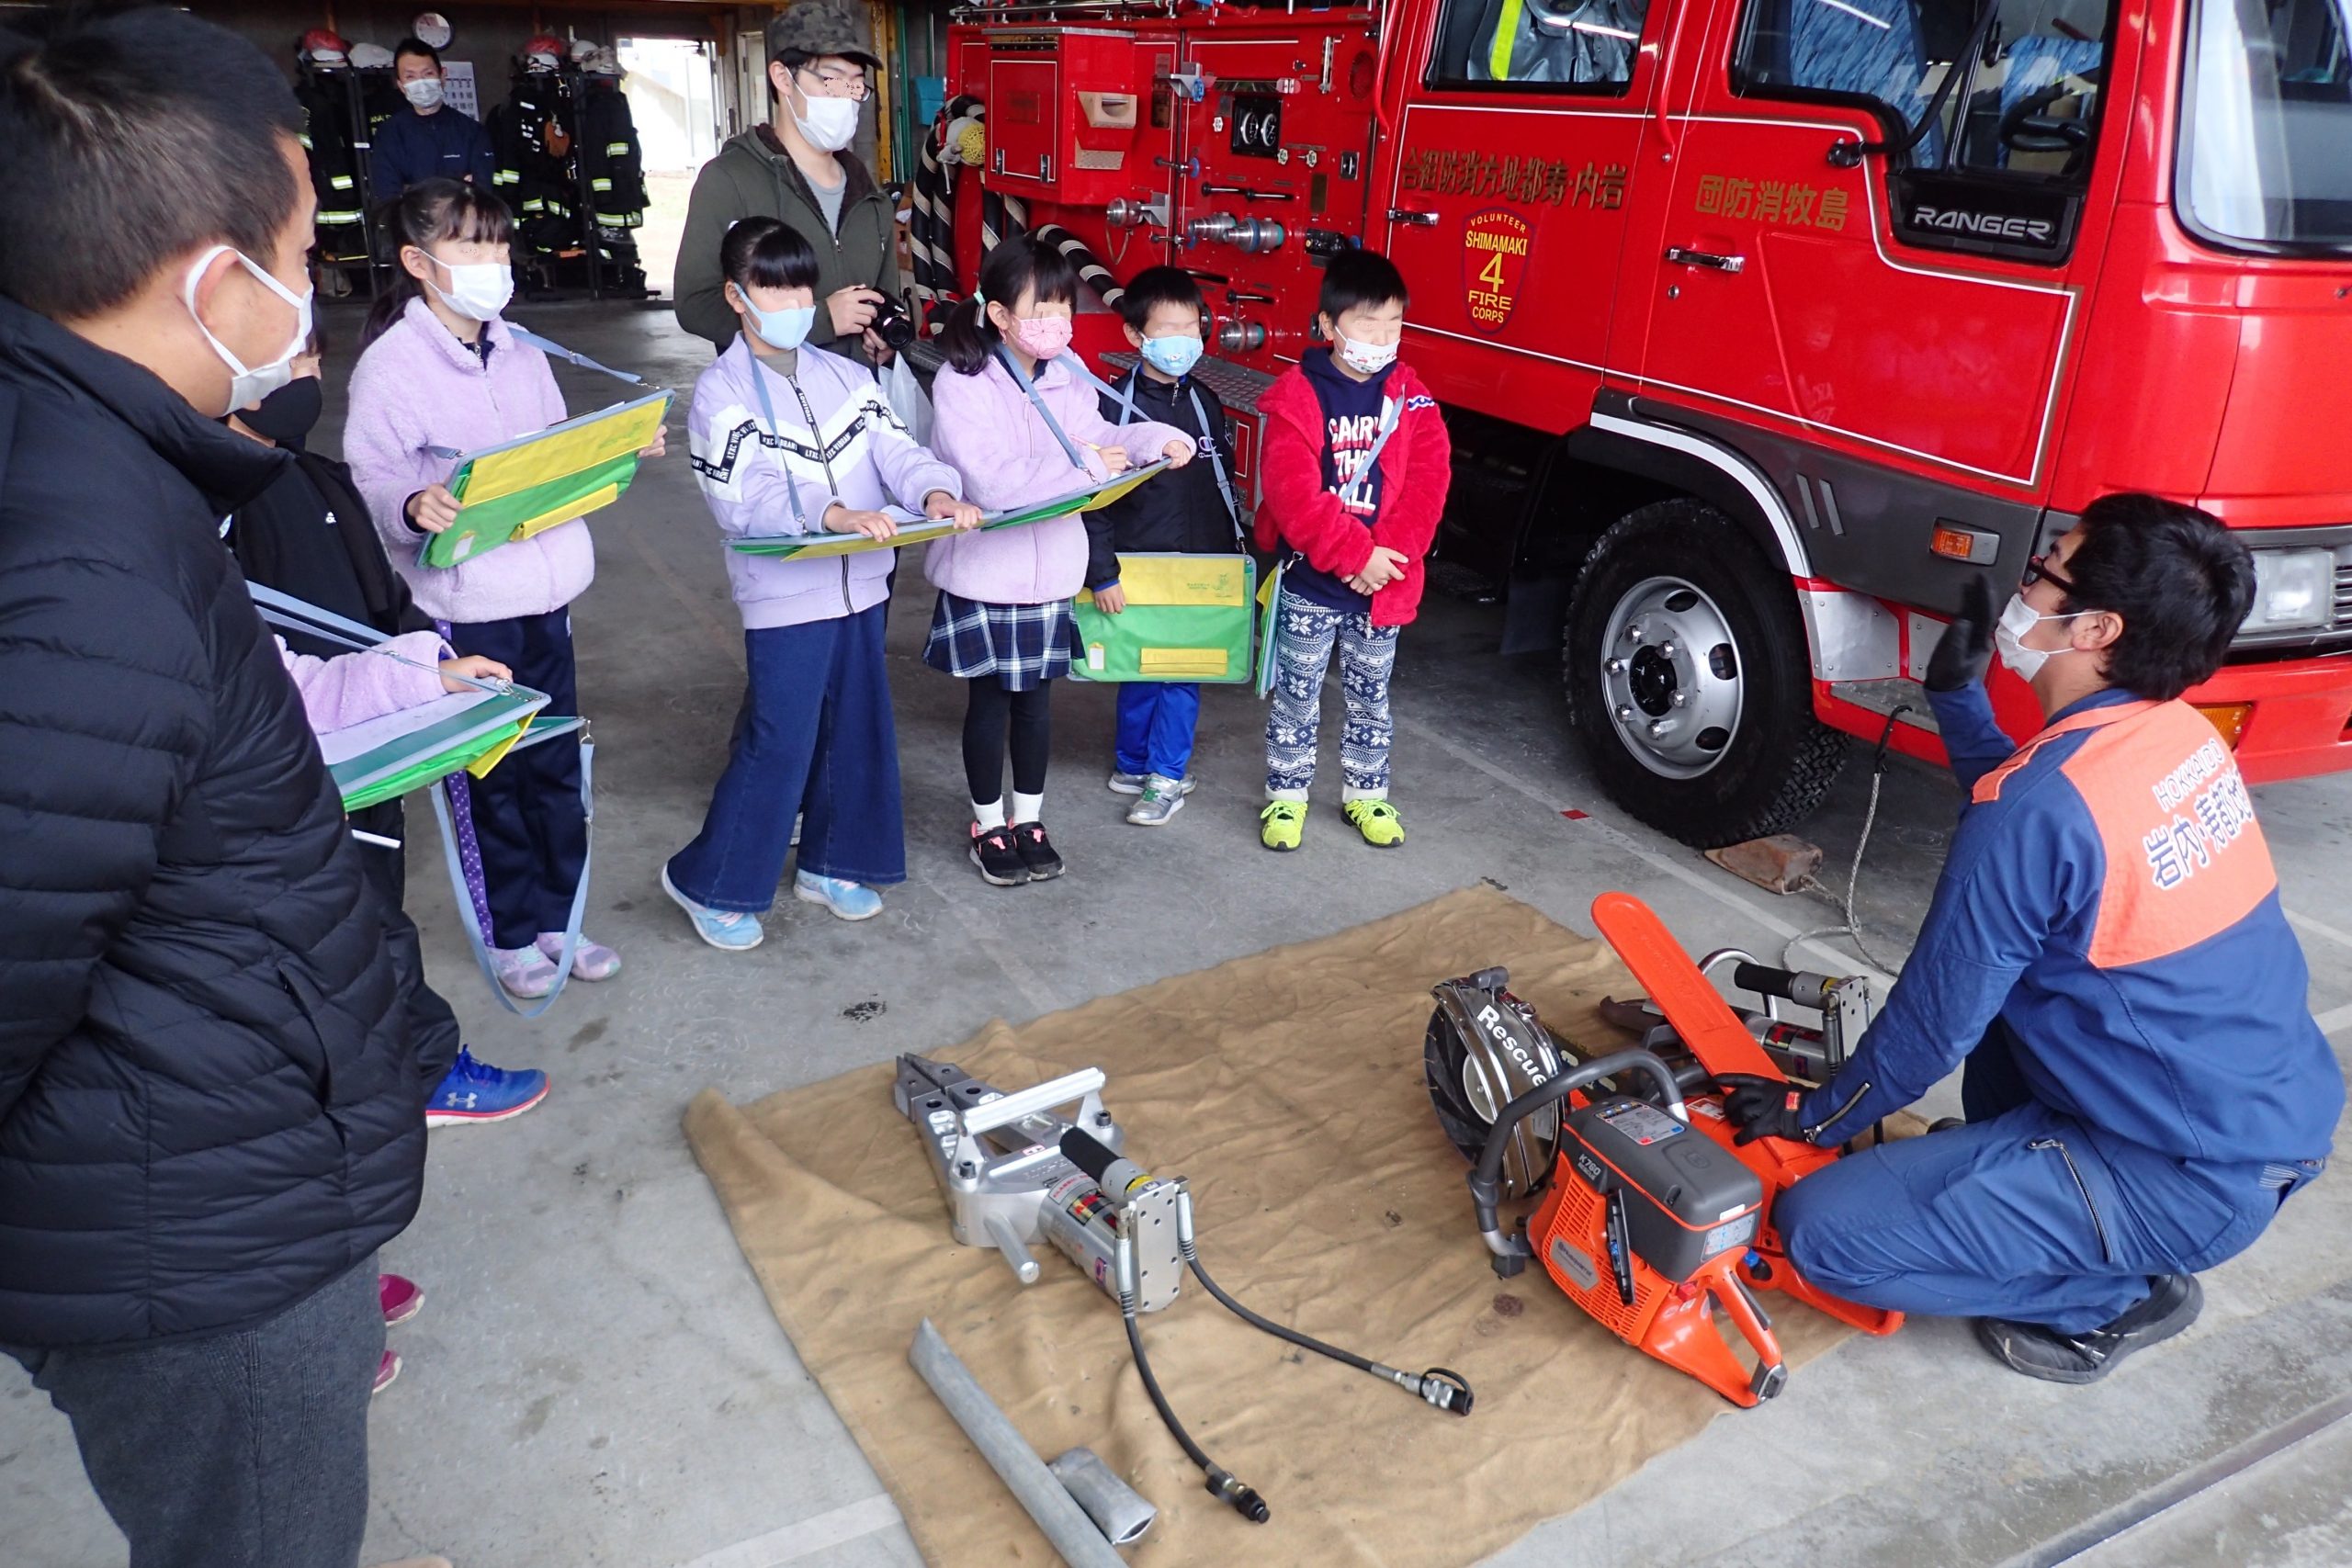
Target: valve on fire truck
<point x="1125" y="212"/>
<point x="1240" y="337"/>
<point x="1248" y="235"/>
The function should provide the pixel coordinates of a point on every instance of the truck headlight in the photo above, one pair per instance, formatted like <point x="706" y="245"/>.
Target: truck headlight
<point x="2293" y="590"/>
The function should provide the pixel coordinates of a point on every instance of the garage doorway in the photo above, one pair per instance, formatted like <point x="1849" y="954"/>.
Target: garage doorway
<point x="673" y="95"/>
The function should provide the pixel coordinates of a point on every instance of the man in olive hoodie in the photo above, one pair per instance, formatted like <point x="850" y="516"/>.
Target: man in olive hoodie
<point x="797" y="168"/>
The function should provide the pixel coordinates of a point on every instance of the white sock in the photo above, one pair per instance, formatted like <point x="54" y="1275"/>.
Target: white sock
<point x="988" y="816"/>
<point x="1028" y="807"/>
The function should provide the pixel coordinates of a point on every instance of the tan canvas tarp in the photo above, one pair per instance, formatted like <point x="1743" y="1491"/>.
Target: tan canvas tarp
<point x="1287" y="1087"/>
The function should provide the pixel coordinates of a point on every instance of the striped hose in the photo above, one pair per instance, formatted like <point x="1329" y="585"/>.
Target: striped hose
<point x="1000" y="216"/>
<point x="932" y="232"/>
<point x="1089" y="266"/>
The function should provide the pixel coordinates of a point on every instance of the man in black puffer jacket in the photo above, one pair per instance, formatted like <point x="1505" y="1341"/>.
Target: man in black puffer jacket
<point x="210" y="1117"/>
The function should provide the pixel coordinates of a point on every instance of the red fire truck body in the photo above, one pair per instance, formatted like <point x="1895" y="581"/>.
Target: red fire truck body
<point x="1762" y="324"/>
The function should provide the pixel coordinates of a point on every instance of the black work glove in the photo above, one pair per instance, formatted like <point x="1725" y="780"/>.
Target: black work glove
<point x="1966" y="650"/>
<point x="1761" y="1107"/>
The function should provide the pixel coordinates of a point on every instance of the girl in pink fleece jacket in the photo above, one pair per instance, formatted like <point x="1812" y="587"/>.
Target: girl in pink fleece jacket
<point x="1016" y="420"/>
<point x="439" y="370"/>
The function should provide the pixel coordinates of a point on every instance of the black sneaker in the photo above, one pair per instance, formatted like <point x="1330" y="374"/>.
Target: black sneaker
<point x="2173" y="1303"/>
<point x="999" y="862"/>
<point x="1036" y="851"/>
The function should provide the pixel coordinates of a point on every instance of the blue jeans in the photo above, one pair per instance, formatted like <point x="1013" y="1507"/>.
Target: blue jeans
<point x="1156" y="720"/>
<point x="814" y="738"/>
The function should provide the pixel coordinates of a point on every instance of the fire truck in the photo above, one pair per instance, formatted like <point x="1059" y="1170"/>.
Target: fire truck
<point x="1761" y="325"/>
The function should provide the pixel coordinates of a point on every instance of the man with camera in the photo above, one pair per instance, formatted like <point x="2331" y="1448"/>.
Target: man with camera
<point x="798" y="169"/>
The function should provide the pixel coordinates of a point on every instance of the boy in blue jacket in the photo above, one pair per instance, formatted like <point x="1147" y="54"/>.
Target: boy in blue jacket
<point x="1191" y="511"/>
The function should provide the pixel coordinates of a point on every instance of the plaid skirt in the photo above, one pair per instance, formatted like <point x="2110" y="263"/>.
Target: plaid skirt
<point x="1023" y="646"/>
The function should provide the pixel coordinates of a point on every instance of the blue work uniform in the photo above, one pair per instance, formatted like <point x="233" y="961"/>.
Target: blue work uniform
<point x="2145" y="1082"/>
<point x="411" y="147"/>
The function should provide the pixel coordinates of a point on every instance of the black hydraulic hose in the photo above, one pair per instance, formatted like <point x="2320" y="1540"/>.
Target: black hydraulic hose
<point x="1222" y="1484"/>
<point x="1443" y="1387"/>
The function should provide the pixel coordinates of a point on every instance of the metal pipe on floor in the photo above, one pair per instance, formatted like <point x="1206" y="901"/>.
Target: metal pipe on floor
<point x="1073" y="1534"/>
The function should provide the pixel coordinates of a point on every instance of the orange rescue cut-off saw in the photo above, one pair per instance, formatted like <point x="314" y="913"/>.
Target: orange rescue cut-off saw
<point x="1649" y="1215"/>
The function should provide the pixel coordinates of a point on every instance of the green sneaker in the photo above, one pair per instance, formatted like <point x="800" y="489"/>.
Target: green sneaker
<point x="1284" y="821"/>
<point x="1377" y="821"/>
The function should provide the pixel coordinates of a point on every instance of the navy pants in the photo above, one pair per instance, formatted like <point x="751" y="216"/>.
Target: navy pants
<point x="527" y="818"/>
<point x="2029" y="1214"/>
<point x="814" y="738"/>
<point x="1156" y="720"/>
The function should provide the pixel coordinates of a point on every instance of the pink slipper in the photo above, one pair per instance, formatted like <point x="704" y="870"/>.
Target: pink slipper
<point x="387" y="1370"/>
<point x="589" y="960"/>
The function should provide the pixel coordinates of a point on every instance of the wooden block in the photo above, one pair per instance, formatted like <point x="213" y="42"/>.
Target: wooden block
<point x="1778" y="865"/>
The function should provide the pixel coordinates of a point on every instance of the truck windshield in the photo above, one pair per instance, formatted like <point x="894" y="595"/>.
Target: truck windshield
<point x="2266" y="139"/>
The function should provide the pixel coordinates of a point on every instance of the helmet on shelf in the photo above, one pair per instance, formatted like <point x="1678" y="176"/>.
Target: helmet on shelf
<point x="368" y="56"/>
<point x="544" y="51"/>
<point x="325" y="46"/>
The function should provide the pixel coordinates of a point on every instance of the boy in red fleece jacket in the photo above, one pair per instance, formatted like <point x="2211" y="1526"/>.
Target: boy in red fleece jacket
<point x="1353" y="483"/>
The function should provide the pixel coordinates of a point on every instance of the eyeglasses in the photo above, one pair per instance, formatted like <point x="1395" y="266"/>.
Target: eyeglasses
<point x="836" y="85"/>
<point x="2038" y="569"/>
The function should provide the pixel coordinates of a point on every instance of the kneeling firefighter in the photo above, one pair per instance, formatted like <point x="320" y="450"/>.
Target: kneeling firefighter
<point x="2145" y="1083"/>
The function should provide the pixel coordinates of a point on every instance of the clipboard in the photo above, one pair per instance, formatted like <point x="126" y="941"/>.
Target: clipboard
<point x="401" y="751"/>
<point x="1189" y="617"/>
<point x="526" y="486"/>
<point x="915" y="530"/>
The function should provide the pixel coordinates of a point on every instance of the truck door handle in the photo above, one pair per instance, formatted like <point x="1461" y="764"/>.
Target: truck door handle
<point x="1682" y="257"/>
<point x="1402" y="215"/>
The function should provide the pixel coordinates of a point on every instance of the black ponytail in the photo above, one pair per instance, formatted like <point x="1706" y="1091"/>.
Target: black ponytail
<point x="430" y="210"/>
<point x="1017" y="266"/>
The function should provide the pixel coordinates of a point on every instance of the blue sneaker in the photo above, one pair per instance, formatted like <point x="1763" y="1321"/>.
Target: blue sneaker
<point x="476" y="1091"/>
<point x="730" y="930"/>
<point x="850" y="900"/>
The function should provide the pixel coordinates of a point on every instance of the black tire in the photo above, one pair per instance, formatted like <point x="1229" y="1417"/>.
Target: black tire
<point x="1712" y="784"/>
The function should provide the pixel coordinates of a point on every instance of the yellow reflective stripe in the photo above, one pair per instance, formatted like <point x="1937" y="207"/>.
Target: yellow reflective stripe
<point x="600" y="182"/>
<point x="1505" y="35"/>
<point x="339" y="217"/>
<point x="616" y="149"/>
<point x="341" y="182"/>
<point x="303" y="138"/>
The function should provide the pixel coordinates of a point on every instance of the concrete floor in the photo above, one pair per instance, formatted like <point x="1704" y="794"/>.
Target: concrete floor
<point x="596" y="1379"/>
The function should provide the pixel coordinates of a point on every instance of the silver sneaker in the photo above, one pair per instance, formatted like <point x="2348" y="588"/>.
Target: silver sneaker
<point x="1161" y="798"/>
<point x="1124" y="783"/>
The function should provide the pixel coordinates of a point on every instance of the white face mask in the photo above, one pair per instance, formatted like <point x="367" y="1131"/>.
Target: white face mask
<point x="1370" y="358"/>
<point x="424" y="92"/>
<point x="246" y="386"/>
<point x="2018" y="618"/>
<point x="477" y="290"/>
<point x="831" y="124"/>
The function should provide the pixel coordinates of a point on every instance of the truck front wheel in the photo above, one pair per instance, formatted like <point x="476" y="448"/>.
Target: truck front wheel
<point x="1687" y="681"/>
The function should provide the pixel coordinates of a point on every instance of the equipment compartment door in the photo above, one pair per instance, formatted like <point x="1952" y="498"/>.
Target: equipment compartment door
<point x="1924" y="314"/>
<point x="1507" y="194"/>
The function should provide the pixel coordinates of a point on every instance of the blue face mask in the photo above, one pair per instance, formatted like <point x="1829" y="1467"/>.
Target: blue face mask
<point x="1172" y="355"/>
<point x="781" y="329"/>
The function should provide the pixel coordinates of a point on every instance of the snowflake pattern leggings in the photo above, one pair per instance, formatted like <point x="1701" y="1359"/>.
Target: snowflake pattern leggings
<point x="1304" y="633"/>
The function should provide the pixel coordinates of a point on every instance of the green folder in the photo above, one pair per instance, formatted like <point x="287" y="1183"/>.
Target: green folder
<point x="913" y="530"/>
<point x="522" y="486"/>
<point x="401" y="751"/>
<point x="1188" y="618"/>
<point x="1270" y="600"/>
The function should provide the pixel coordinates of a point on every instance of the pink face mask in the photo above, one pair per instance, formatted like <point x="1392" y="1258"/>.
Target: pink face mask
<point x="1041" y="337"/>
